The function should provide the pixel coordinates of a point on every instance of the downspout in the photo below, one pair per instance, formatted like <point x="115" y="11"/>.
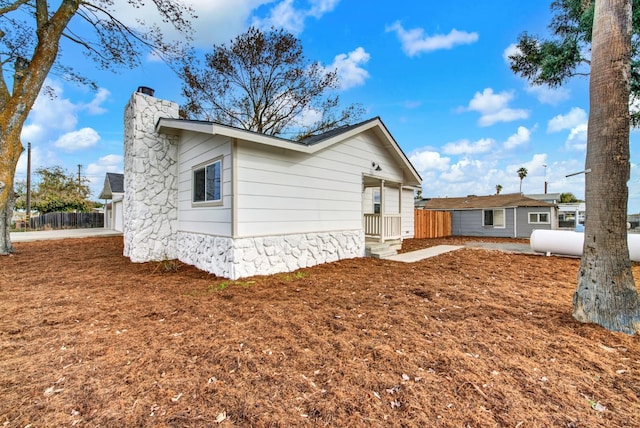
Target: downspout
<point x="515" y="222"/>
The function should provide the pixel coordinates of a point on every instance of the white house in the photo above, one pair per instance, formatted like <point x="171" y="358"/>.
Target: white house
<point x="113" y="190"/>
<point x="237" y="203"/>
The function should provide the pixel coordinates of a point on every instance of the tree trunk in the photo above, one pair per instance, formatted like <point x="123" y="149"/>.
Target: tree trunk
<point x="606" y="293"/>
<point x="28" y="78"/>
<point x="9" y="155"/>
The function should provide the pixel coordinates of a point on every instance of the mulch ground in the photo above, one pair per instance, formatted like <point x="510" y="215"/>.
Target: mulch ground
<point x="471" y="338"/>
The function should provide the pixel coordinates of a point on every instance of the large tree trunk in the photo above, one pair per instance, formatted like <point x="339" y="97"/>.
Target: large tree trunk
<point x="606" y="292"/>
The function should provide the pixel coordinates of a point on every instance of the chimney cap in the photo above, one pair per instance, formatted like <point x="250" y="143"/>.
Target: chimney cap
<point x="146" y="90"/>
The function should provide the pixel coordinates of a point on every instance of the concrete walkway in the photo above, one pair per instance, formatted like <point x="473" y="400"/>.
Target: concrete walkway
<point x="414" y="256"/>
<point x="43" y="235"/>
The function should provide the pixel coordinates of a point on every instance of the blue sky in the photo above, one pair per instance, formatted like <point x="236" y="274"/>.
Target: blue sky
<point x="435" y="72"/>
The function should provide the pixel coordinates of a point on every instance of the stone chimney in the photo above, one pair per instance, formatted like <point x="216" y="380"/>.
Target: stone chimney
<point x="150" y="180"/>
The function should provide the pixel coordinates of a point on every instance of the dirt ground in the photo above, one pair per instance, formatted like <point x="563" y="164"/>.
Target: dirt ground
<point x="471" y="338"/>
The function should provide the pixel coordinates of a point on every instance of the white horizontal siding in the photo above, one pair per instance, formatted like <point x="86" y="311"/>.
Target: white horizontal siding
<point x="367" y="201"/>
<point x="391" y="200"/>
<point x="281" y="192"/>
<point x="364" y="149"/>
<point x="408" y="226"/>
<point x="195" y="149"/>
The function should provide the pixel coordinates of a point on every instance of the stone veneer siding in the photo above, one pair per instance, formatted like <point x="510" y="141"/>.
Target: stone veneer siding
<point x="151" y="212"/>
<point x="242" y="257"/>
<point x="150" y="181"/>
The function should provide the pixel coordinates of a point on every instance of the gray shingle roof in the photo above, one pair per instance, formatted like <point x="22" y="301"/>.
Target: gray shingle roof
<point x="479" y="202"/>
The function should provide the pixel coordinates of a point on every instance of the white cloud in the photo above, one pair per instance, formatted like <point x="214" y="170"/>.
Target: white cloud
<point x="415" y="41"/>
<point x="576" y="122"/>
<point x="488" y="101"/>
<point x="577" y="139"/>
<point x="504" y="115"/>
<point x="547" y="95"/>
<point x="426" y="160"/>
<point x="544" y="94"/>
<point x="464" y="170"/>
<point x="308" y="117"/>
<point x="78" y="140"/>
<point x="466" y="147"/>
<point x="521" y="137"/>
<point x="576" y="117"/>
<point x="286" y="15"/>
<point x="510" y="50"/>
<point x="33" y="132"/>
<point x="494" y="108"/>
<point x="40" y="157"/>
<point x="534" y="166"/>
<point x="96" y="171"/>
<point x="320" y="7"/>
<point x="349" y="68"/>
<point x="217" y="21"/>
<point x="95" y="105"/>
<point x="53" y="115"/>
<point x="52" y="112"/>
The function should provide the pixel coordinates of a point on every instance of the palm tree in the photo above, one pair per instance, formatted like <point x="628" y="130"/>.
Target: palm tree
<point x="606" y="293"/>
<point x="498" y="188"/>
<point x="522" y="173"/>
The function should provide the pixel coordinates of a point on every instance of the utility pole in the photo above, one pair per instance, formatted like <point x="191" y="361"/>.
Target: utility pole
<point x="28" y="216"/>
<point x="78" y="192"/>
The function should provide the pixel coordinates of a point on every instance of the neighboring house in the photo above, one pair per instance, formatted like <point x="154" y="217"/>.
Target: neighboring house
<point x="237" y="203"/>
<point x="551" y="198"/>
<point x="568" y="212"/>
<point x="113" y="194"/>
<point x="571" y="215"/>
<point x="509" y="215"/>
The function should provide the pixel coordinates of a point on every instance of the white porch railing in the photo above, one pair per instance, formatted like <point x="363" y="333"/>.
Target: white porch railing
<point x="387" y="226"/>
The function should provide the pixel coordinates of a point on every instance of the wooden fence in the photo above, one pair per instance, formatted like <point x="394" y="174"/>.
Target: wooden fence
<point x="432" y="224"/>
<point x="67" y="221"/>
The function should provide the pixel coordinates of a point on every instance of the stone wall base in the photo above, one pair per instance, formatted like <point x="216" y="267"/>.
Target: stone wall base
<point x="243" y="257"/>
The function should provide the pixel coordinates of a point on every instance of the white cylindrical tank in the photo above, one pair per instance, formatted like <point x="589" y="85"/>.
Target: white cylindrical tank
<point x="570" y="243"/>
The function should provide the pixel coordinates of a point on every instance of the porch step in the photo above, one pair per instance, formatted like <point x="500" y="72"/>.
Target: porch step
<point x="380" y="251"/>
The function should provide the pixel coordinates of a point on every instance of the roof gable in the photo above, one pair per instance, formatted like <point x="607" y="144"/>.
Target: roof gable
<point x="113" y="183"/>
<point x="483" y="202"/>
<point x="309" y="145"/>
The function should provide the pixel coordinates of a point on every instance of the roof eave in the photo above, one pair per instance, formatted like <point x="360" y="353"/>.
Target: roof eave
<point x="175" y="126"/>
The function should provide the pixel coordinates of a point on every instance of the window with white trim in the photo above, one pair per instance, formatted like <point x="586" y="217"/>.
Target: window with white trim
<point x="207" y="183"/>
<point x="493" y="218"/>
<point x="539" y="218"/>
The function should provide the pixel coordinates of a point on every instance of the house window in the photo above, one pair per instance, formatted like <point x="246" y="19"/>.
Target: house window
<point x="539" y="218"/>
<point x="493" y="218"/>
<point x="207" y="183"/>
<point x="376" y="200"/>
